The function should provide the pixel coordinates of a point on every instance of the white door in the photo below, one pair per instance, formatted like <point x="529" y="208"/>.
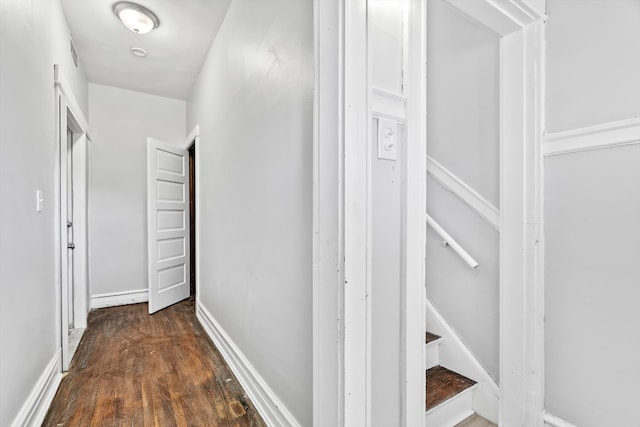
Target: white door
<point x="167" y="224"/>
<point x="70" y="242"/>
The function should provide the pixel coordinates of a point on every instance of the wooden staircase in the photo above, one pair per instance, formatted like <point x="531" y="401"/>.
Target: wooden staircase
<point x="449" y="394"/>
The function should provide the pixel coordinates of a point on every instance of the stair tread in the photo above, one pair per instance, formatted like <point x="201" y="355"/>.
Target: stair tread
<point x="443" y="384"/>
<point x="431" y="337"/>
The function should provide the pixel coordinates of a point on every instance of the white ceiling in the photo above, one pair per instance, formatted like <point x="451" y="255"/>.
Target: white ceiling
<point x="177" y="48"/>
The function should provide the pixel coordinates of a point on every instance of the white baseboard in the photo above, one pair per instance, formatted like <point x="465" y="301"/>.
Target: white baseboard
<point x="553" y="421"/>
<point x="264" y="399"/>
<point x="456" y="356"/>
<point x="119" y="298"/>
<point x="37" y="404"/>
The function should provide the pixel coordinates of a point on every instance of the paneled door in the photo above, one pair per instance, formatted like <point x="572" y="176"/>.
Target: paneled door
<point x="167" y="224"/>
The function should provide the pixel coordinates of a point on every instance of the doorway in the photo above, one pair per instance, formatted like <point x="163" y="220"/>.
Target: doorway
<point x="71" y="216"/>
<point x="192" y="218"/>
<point x="73" y="230"/>
<point x="74" y="327"/>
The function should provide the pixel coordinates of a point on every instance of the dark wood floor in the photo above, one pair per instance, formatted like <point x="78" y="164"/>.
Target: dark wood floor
<point x="133" y="369"/>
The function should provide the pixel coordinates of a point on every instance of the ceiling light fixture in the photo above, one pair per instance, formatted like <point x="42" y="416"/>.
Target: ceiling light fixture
<point x="137" y="18"/>
<point x="138" y="51"/>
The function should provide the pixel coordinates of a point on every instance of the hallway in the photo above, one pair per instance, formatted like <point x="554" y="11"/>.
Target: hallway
<point x="136" y="369"/>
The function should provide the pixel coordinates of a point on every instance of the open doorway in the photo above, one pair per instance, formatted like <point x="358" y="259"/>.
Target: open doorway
<point x="75" y="322"/>
<point x="192" y="217"/>
<point x="71" y="215"/>
<point x="73" y="227"/>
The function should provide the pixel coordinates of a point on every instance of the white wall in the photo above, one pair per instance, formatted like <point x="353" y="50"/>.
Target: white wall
<point x="33" y="36"/>
<point x="253" y="103"/>
<point x="592" y="207"/>
<point x="463" y="99"/>
<point x="592" y="275"/>
<point x="387" y="48"/>
<point x="60" y="37"/>
<point x="463" y="136"/>
<point x="121" y="121"/>
<point x="386" y="285"/>
<point x="467" y="298"/>
<point x="592" y="69"/>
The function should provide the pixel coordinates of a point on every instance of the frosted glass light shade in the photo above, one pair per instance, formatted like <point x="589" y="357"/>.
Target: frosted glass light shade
<point x="137" y="18"/>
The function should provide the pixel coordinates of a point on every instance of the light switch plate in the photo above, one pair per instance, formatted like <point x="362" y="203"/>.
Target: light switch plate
<point x="387" y="139"/>
<point x="39" y="201"/>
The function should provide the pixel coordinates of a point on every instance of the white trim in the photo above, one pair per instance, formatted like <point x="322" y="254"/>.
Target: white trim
<point x="72" y="103"/>
<point x="328" y="214"/>
<point x="513" y="374"/>
<point x="357" y="222"/>
<point x="265" y="400"/>
<point x="553" y="421"/>
<point x="455" y="355"/>
<point x="501" y="17"/>
<point x="471" y="197"/>
<point x="60" y="250"/>
<point x="195" y="137"/>
<point x="388" y="105"/>
<point x="37" y="404"/>
<point x="432" y="355"/>
<point x="535" y="240"/>
<point x="607" y="135"/>
<point x="414" y="227"/>
<point x="190" y="140"/>
<point x="113" y="299"/>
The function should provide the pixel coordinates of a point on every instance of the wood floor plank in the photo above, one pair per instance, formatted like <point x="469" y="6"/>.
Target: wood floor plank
<point x="136" y="369"/>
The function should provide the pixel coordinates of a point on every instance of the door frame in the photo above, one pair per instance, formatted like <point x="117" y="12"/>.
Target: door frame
<point x="341" y="323"/>
<point x="519" y="26"/>
<point x="414" y="233"/>
<point x="68" y="111"/>
<point x="328" y="354"/>
<point x="193" y="140"/>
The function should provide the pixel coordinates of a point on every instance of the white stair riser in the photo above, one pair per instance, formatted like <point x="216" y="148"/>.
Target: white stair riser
<point x="432" y="354"/>
<point x="452" y="411"/>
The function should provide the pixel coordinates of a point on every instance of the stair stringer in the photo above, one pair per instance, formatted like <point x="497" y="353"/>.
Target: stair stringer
<point x="456" y="356"/>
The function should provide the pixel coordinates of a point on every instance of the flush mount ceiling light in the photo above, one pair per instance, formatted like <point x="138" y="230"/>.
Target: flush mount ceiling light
<point x="137" y="18"/>
<point x="138" y="51"/>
